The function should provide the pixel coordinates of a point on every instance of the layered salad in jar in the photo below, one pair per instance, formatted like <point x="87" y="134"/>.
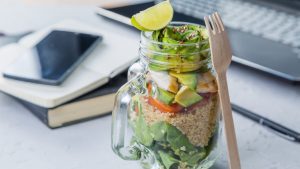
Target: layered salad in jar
<point x="177" y="119"/>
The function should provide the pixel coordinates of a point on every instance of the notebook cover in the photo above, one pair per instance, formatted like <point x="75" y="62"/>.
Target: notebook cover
<point x="111" y="87"/>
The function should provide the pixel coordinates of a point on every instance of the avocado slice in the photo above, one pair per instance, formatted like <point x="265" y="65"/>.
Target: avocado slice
<point x="187" y="79"/>
<point x="165" y="96"/>
<point x="186" y="96"/>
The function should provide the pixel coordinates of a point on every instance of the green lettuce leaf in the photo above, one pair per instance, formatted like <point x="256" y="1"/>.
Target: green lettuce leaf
<point x="168" y="160"/>
<point x="178" y="141"/>
<point x="159" y="130"/>
<point x="192" y="158"/>
<point x="142" y="131"/>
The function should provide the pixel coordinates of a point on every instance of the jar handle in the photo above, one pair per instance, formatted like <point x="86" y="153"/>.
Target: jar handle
<point x="120" y="117"/>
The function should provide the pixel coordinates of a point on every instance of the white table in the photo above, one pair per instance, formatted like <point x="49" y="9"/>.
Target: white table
<point x="25" y="143"/>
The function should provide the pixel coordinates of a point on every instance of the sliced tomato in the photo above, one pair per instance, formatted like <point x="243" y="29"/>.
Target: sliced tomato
<point x="173" y="108"/>
<point x="136" y="108"/>
<point x="149" y="87"/>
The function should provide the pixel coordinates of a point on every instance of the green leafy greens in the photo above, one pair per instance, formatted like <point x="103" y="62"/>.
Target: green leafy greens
<point x="168" y="143"/>
<point x="185" y="45"/>
<point x="142" y="132"/>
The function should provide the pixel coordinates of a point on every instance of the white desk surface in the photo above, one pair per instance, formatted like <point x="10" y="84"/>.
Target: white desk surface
<point x="25" y="143"/>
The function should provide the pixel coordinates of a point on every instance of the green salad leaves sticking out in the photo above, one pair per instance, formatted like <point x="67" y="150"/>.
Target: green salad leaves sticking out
<point x="187" y="46"/>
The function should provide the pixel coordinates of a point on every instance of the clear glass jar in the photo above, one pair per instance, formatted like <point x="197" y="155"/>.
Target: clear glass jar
<point x="167" y="115"/>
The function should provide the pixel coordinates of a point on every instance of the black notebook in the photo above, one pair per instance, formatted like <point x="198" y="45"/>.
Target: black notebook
<point x="88" y="106"/>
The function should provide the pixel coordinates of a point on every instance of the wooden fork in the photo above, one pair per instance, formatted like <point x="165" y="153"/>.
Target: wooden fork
<point x="221" y="58"/>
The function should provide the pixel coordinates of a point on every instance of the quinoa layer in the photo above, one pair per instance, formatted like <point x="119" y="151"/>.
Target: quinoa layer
<point x="197" y="123"/>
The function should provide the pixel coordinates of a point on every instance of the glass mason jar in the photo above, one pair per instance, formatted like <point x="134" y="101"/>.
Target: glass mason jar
<point x="167" y="115"/>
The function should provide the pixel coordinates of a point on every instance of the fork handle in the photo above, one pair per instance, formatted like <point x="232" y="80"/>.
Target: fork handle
<point x="232" y="148"/>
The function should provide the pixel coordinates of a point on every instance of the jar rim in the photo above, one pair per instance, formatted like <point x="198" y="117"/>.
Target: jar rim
<point x="145" y="37"/>
<point x="148" y="60"/>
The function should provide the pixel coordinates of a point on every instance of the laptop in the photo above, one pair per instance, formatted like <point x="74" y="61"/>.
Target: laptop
<point x="264" y="34"/>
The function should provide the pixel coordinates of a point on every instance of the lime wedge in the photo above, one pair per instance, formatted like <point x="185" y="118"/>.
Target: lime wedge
<point x="137" y="25"/>
<point x="153" y="18"/>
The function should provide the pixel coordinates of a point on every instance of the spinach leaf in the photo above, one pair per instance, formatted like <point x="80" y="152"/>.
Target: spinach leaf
<point x="167" y="159"/>
<point x="159" y="130"/>
<point x="177" y="140"/>
<point x="192" y="158"/>
<point x="142" y="131"/>
<point x="173" y="147"/>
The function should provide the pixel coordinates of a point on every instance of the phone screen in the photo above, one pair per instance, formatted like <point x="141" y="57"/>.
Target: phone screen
<point x="53" y="58"/>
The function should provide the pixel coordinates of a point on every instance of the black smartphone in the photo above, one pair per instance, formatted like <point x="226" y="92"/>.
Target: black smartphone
<point x="52" y="59"/>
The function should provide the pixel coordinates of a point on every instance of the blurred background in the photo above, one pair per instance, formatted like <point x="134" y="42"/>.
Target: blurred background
<point x="33" y="12"/>
<point x="263" y="78"/>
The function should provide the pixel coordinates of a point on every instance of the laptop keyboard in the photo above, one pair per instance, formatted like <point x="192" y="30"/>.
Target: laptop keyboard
<point x="248" y="17"/>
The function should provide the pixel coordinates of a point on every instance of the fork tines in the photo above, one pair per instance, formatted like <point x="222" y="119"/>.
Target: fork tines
<point x="214" y="23"/>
